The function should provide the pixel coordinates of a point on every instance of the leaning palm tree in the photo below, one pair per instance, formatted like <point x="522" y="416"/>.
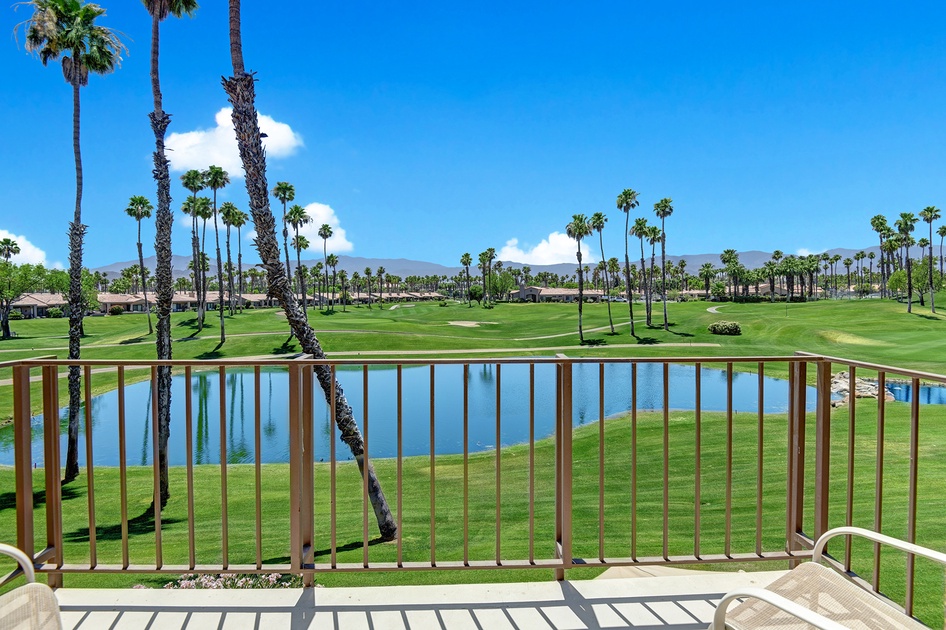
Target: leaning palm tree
<point x="193" y="180"/>
<point x="627" y="201"/>
<point x="8" y="249"/>
<point x="597" y="224"/>
<point x="218" y="178"/>
<point x="285" y="192"/>
<point x="664" y="209"/>
<point x="930" y="214"/>
<point x="240" y="89"/>
<point x="66" y="29"/>
<point x="164" y="219"/>
<point x="578" y="229"/>
<point x="140" y="208"/>
<point x="228" y="213"/>
<point x="297" y="217"/>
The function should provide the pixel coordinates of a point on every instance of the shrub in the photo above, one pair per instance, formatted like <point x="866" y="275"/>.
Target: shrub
<point x="118" y="309"/>
<point x="236" y="580"/>
<point x="55" y="312"/>
<point x="16" y="315"/>
<point x="443" y="303"/>
<point x="725" y="328"/>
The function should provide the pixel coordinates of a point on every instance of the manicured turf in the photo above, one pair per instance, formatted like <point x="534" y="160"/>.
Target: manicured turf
<point x="448" y="471"/>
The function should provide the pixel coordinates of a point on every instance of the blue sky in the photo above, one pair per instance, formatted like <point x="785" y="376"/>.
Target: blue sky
<point x="425" y="130"/>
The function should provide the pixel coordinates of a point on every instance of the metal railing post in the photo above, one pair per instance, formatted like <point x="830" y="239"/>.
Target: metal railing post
<point x="51" y="465"/>
<point x="563" y="469"/>
<point x="23" y="462"/>
<point x="823" y="445"/>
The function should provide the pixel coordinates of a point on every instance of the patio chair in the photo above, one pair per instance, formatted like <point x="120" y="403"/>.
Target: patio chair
<point x="32" y="606"/>
<point x="813" y="595"/>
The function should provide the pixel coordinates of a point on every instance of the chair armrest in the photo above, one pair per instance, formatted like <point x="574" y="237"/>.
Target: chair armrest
<point x="773" y="599"/>
<point x="25" y="562"/>
<point x="902" y="545"/>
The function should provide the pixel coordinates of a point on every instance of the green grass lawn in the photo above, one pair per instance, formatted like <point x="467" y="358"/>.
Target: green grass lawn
<point x="865" y="330"/>
<point x="416" y="517"/>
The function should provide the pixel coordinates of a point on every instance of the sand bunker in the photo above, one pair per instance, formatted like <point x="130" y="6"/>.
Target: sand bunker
<point x="466" y="324"/>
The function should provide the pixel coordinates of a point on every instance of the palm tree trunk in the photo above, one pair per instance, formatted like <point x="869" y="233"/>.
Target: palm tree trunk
<point x="240" y="268"/>
<point x="144" y="289"/>
<point x="645" y="287"/>
<point x="223" y="335"/>
<point x="627" y="273"/>
<point x="164" y="280"/>
<point x="605" y="262"/>
<point x="581" y="300"/>
<point x="932" y="290"/>
<point x="663" y="269"/>
<point x="76" y="232"/>
<point x="230" y="299"/>
<point x="305" y="300"/>
<point x="241" y="92"/>
<point x="197" y="264"/>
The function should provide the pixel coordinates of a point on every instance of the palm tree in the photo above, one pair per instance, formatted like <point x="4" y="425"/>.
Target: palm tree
<point x="597" y="224"/>
<point x="905" y="225"/>
<point x="878" y="223"/>
<point x="626" y="202"/>
<point x="941" y="233"/>
<point x="343" y="279"/>
<point x="484" y="259"/>
<point x="8" y="249"/>
<point x="653" y="237"/>
<point x="325" y="233"/>
<point x="229" y="212"/>
<point x="380" y="275"/>
<point x="332" y="261"/>
<point x="193" y="180"/>
<point x="285" y="192"/>
<point x="930" y="214"/>
<point x="466" y="260"/>
<point x="67" y="29"/>
<point x="140" y="208"/>
<point x="664" y="209"/>
<point x="490" y="255"/>
<point x="240" y="89"/>
<point x="368" y="284"/>
<point x="706" y="274"/>
<point x="300" y="242"/>
<point x="859" y="259"/>
<point x="297" y="217"/>
<point x="641" y="230"/>
<point x="218" y="178"/>
<point x="578" y="229"/>
<point x="164" y="219"/>
<point x="847" y="262"/>
<point x="205" y="211"/>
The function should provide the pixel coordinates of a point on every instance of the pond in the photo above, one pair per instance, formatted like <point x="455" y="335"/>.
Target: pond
<point x="929" y="394"/>
<point x="239" y="394"/>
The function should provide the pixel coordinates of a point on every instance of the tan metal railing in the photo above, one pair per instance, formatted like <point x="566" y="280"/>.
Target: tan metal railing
<point x="667" y="487"/>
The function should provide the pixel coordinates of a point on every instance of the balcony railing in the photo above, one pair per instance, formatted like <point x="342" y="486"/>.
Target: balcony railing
<point x="650" y="483"/>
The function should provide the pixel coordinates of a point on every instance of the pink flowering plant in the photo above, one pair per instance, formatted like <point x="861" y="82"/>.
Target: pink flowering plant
<point x="236" y="580"/>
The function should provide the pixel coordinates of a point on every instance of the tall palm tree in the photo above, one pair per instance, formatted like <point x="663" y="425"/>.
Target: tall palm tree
<point x="578" y="229"/>
<point x="140" y="208"/>
<point x="8" y="249"/>
<point x="380" y="275"/>
<point x="466" y="260"/>
<point x="905" y="225"/>
<point x="641" y="230"/>
<point x="332" y="261"/>
<point x="241" y="90"/>
<point x="483" y="259"/>
<point x="205" y="212"/>
<point x="706" y="274"/>
<point x="626" y="202"/>
<point x="664" y="209"/>
<point x="597" y="224"/>
<point x="878" y="223"/>
<point x="193" y="180"/>
<point x="164" y="219"/>
<point x="285" y="192"/>
<point x="930" y="214"/>
<point x="941" y="233"/>
<point x="343" y="280"/>
<point x="490" y="256"/>
<point x="66" y="29"/>
<point x="229" y="212"/>
<point x="368" y="284"/>
<point x="325" y="233"/>
<point x="218" y="178"/>
<point x="297" y="217"/>
<point x="653" y="237"/>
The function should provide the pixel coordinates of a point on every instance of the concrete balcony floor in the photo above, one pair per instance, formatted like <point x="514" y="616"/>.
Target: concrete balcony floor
<point x="650" y="597"/>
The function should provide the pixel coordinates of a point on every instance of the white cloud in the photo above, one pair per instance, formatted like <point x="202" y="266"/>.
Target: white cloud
<point x="802" y="252"/>
<point x="203" y="147"/>
<point x="557" y="248"/>
<point x="29" y="253"/>
<point x="320" y="213"/>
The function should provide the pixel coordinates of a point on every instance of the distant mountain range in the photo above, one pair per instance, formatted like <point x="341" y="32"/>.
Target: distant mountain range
<point x="404" y="267"/>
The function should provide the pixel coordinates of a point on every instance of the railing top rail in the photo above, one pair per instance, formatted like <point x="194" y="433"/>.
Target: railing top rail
<point x="926" y="376"/>
<point x="373" y="360"/>
<point x="13" y="362"/>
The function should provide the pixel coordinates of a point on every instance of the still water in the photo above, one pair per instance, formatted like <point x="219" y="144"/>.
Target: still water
<point x="513" y="380"/>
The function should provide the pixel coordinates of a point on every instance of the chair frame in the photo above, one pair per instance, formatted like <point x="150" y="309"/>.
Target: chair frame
<point x="815" y="619"/>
